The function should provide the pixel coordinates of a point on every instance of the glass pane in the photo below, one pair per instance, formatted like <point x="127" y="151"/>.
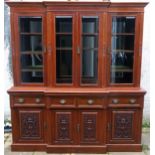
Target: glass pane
<point x="123" y="24"/>
<point x="31" y="42"/>
<point x="33" y="61"/>
<point x="64" y="66"/>
<point x="30" y="24"/>
<point x="90" y="41"/>
<point x="32" y="76"/>
<point x="90" y="24"/>
<point x="31" y="58"/>
<point x="122" y="48"/>
<point x="122" y="60"/>
<point x="123" y="42"/>
<point x="89" y="68"/>
<point x="89" y="62"/>
<point x="63" y="24"/>
<point x="121" y="77"/>
<point x="64" y="41"/>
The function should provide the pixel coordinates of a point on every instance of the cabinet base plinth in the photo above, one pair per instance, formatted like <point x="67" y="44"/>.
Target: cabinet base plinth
<point x="28" y="147"/>
<point x="77" y="148"/>
<point x="124" y="147"/>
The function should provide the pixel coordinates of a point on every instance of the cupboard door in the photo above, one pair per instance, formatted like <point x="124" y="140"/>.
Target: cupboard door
<point x="122" y="49"/>
<point x="64" y="48"/>
<point x="30" y="49"/>
<point x="89" y="48"/>
<point x="28" y="125"/>
<point x="64" y="123"/>
<point x="124" y="126"/>
<point x="91" y="127"/>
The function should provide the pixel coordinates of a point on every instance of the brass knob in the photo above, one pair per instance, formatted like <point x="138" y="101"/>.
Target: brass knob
<point x="132" y="101"/>
<point x="90" y="101"/>
<point x="115" y="101"/>
<point x="20" y="100"/>
<point x="62" y="101"/>
<point x="38" y="100"/>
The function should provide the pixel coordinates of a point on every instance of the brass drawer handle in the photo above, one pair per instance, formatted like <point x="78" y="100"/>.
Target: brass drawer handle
<point x="62" y="101"/>
<point x="21" y="100"/>
<point x="115" y="101"/>
<point x="132" y="101"/>
<point x="38" y="100"/>
<point x="90" y="102"/>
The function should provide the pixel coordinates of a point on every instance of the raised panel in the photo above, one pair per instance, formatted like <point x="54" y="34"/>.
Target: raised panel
<point x="30" y="125"/>
<point x="64" y="127"/>
<point x="91" y="127"/>
<point x="124" y="125"/>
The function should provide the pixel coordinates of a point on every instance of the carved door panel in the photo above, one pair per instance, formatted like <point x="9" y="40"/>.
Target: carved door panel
<point x="64" y="125"/>
<point x="124" y="126"/>
<point x="91" y="127"/>
<point x="29" y="124"/>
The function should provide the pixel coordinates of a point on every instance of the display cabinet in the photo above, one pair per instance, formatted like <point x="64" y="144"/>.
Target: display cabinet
<point x="76" y="70"/>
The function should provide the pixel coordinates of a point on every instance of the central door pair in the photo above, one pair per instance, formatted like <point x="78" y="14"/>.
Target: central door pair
<point x="76" y="46"/>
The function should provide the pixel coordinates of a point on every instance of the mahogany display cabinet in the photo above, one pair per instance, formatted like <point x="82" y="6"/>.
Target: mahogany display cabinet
<point x="76" y="71"/>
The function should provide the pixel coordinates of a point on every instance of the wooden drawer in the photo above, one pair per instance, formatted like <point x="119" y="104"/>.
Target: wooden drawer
<point x="22" y="99"/>
<point x="123" y="100"/>
<point x="62" y="101"/>
<point x="90" y="102"/>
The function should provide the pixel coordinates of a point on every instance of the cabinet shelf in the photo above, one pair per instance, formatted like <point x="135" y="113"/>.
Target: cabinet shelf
<point x="123" y="34"/>
<point x="32" y="52"/>
<point x="63" y="33"/>
<point x="30" y="33"/>
<point x="63" y="48"/>
<point x="89" y="34"/>
<point x="122" y="50"/>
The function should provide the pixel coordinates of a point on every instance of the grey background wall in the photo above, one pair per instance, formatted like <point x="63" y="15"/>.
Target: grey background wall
<point x="145" y="71"/>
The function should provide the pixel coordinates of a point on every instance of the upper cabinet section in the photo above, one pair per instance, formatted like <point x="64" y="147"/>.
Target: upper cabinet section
<point x="76" y="44"/>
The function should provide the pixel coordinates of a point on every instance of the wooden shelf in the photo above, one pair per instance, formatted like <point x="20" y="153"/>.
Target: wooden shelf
<point x="32" y="52"/>
<point x="30" y="33"/>
<point x="63" y="33"/>
<point x="90" y="34"/>
<point x="58" y="48"/>
<point x="123" y="34"/>
<point x="121" y="50"/>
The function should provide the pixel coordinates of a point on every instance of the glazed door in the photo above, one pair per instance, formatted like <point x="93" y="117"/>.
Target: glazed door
<point x="63" y="42"/>
<point x="123" y="48"/>
<point x="88" y="49"/>
<point x="124" y="126"/>
<point x="91" y="127"/>
<point x="29" y="45"/>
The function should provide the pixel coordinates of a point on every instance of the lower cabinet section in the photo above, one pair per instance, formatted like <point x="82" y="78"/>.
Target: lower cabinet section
<point x="73" y="124"/>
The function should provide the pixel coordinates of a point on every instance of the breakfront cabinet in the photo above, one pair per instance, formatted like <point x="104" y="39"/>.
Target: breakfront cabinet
<point x="76" y="68"/>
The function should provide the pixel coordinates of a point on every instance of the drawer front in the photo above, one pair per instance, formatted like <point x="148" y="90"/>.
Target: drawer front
<point x="90" y="102"/>
<point x="28" y="99"/>
<point x="62" y="101"/>
<point x="123" y="100"/>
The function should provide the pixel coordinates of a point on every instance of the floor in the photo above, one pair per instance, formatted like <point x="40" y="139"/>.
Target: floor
<point x="145" y="142"/>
